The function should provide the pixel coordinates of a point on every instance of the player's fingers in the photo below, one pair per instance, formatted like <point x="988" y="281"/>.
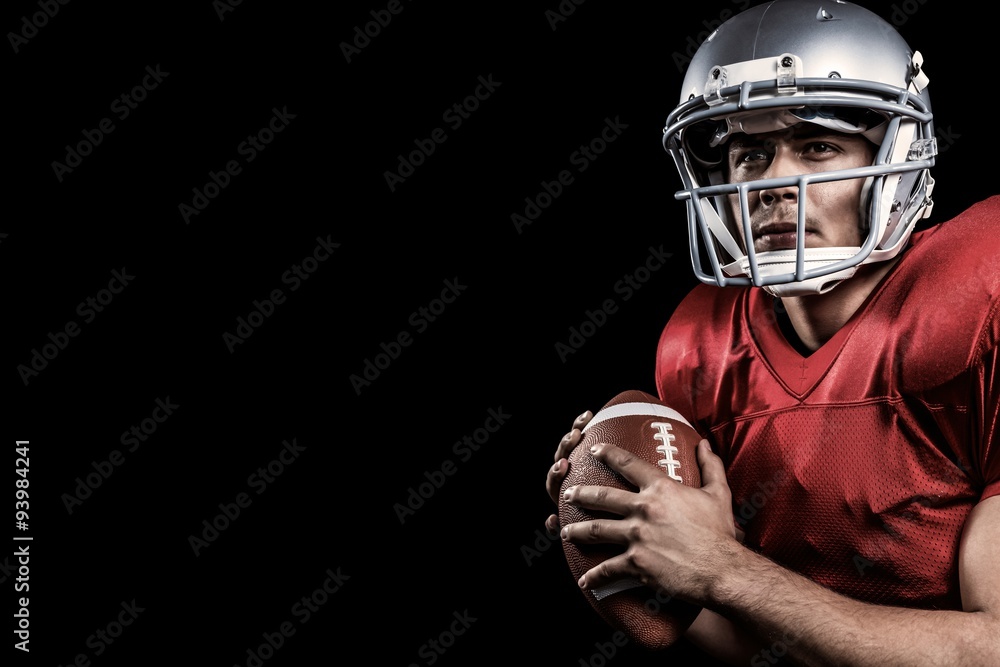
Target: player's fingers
<point x="630" y="466"/>
<point x="713" y="472"/>
<point x="582" y="420"/>
<point x="596" y="531"/>
<point x="552" y="524"/>
<point x="554" y="478"/>
<point x="601" y="498"/>
<point x="605" y="572"/>
<point x="567" y="444"/>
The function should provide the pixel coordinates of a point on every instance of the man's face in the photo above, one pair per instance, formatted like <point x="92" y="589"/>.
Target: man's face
<point x="832" y="212"/>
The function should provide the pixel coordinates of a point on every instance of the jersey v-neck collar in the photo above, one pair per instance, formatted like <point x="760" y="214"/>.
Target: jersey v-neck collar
<point x="797" y="373"/>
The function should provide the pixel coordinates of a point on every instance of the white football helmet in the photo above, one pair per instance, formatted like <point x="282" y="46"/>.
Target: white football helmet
<point x="827" y="62"/>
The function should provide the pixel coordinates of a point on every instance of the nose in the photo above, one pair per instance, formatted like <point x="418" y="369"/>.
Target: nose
<point x="782" y="164"/>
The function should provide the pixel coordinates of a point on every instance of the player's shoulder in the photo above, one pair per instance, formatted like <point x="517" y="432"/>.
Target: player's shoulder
<point x="944" y="296"/>
<point x="702" y="323"/>
<point x="701" y="310"/>
<point x="969" y="237"/>
<point x="956" y="256"/>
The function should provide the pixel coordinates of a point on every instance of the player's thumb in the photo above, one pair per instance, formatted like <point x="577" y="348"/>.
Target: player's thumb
<point x="713" y="473"/>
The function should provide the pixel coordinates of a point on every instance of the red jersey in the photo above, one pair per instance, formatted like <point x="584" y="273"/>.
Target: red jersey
<point x="857" y="465"/>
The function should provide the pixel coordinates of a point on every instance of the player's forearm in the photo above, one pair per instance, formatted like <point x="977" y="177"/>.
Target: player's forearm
<point x="819" y="627"/>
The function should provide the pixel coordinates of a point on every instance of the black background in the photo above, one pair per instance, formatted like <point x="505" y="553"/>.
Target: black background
<point x="475" y="545"/>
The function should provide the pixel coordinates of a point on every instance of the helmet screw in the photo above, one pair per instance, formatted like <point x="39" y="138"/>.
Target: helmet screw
<point x="786" y="61"/>
<point x="716" y="72"/>
<point x="834" y="75"/>
<point x="896" y="205"/>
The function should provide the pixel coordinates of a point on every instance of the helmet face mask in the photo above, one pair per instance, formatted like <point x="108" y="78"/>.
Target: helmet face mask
<point x="832" y="212"/>
<point x="850" y="73"/>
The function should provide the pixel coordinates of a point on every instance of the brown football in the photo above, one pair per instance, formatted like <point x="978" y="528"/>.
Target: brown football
<point x="642" y="424"/>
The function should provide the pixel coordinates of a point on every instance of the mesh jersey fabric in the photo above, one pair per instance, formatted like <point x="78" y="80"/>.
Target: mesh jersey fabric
<point x="858" y="464"/>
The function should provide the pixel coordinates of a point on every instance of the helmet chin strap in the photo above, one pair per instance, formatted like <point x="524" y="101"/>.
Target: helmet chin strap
<point x="779" y="262"/>
<point x="813" y="286"/>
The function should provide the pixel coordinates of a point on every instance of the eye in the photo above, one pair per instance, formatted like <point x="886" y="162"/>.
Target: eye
<point x="821" y="147"/>
<point x="752" y="155"/>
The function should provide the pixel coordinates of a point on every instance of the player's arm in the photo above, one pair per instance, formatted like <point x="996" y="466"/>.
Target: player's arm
<point x="678" y="538"/>
<point x="821" y="627"/>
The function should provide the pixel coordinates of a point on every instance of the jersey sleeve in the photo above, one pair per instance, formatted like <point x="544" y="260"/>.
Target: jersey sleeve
<point x="694" y="352"/>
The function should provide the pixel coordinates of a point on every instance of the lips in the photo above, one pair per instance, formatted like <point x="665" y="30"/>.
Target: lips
<point x="776" y="236"/>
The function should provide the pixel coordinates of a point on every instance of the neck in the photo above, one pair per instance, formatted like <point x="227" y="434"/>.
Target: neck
<point x="817" y="317"/>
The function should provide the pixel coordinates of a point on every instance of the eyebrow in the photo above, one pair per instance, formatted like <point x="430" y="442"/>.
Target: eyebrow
<point x="800" y="131"/>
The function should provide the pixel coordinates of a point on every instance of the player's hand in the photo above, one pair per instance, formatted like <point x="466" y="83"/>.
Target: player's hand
<point x="676" y="538"/>
<point x="556" y="473"/>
